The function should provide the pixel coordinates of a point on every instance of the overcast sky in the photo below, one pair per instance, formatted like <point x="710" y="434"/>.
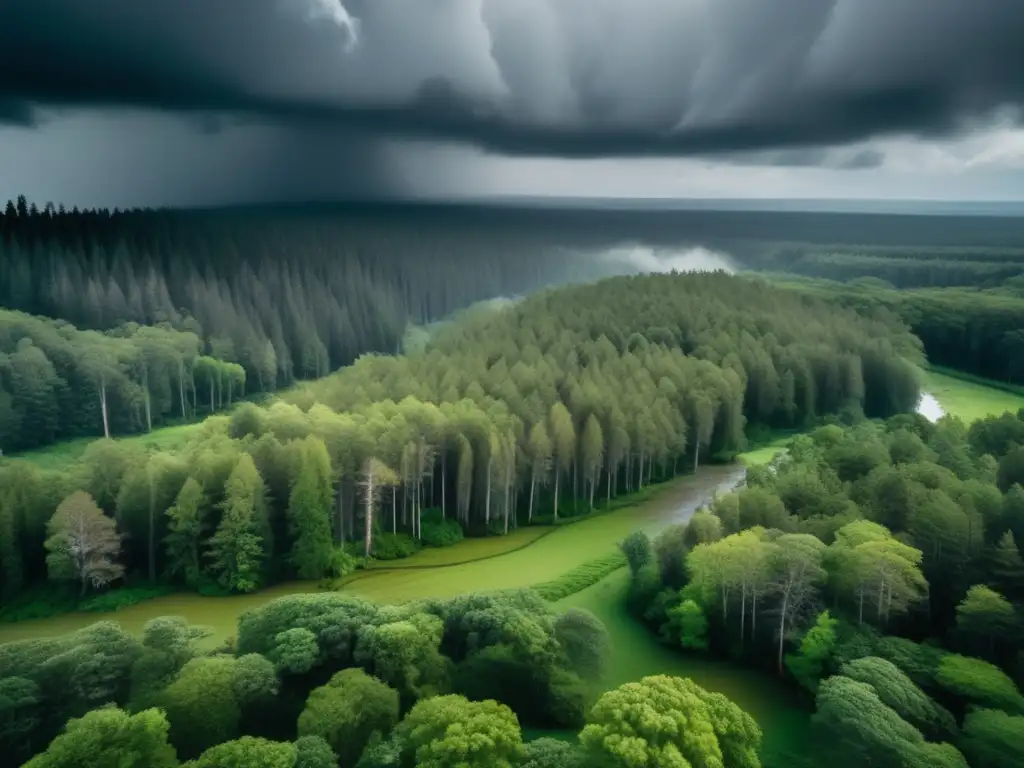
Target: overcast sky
<point x="200" y="102"/>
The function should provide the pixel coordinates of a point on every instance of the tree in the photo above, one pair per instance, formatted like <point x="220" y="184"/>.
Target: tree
<point x="691" y="625"/>
<point x="247" y="752"/>
<point x="309" y="510"/>
<point x="186" y="529"/>
<point x="349" y="712"/>
<point x="899" y="692"/>
<point x="669" y="721"/>
<point x="808" y="665"/>
<point x="592" y="453"/>
<point x="563" y="441"/>
<point x="979" y="682"/>
<point x="862" y="730"/>
<point x="552" y="753"/>
<point x="540" y="459"/>
<point x="314" y="752"/>
<point x="985" y="618"/>
<point x="993" y="739"/>
<point x="236" y="549"/>
<point x="796" y="564"/>
<point x="83" y="544"/>
<point x="376" y="475"/>
<point x="110" y="737"/>
<point x="448" y="731"/>
<point x="20" y="712"/>
<point x="637" y="549"/>
<point x="584" y="641"/>
<point x="1007" y="566"/>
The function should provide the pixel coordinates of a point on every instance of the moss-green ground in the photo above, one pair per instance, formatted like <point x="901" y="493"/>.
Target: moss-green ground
<point x="970" y="400"/>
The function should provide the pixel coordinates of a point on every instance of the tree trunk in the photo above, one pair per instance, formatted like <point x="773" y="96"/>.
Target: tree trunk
<point x="394" y="509"/>
<point x="181" y="389"/>
<point x="696" y="455"/>
<point x="213" y="406"/>
<point x="487" y="500"/>
<point x="782" y="628"/>
<point x="444" y="477"/>
<point x="743" y="614"/>
<point x="103" y="407"/>
<point x="368" y="535"/>
<point x="533" y="483"/>
<point x="556" y="495"/>
<point x="148" y="403"/>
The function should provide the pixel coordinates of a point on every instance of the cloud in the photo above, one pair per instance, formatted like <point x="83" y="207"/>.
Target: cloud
<point x="566" y="78"/>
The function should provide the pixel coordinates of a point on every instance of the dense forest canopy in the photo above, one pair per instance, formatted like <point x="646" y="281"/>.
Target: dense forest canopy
<point x="879" y="566"/>
<point x="505" y="414"/>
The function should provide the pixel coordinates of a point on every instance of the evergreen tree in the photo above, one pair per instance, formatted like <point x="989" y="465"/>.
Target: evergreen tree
<point x="236" y="549"/>
<point x="309" y="510"/>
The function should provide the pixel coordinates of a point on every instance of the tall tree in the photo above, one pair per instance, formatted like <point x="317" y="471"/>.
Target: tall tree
<point x="236" y="550"/>
<point x="309" y="510"/>
<point x="83" y="544"/>
<point x="186" y="531"/>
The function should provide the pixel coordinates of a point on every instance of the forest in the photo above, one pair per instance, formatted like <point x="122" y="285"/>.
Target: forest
<point x="879" y="567"/>
<point x="355" y="401"/>
<point x="972" y="329"/>
<point x="510" y="415"/>
<point x="277" y="295"/>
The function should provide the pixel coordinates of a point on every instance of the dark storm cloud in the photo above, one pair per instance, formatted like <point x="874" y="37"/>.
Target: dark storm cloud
<point x="573" y="78"/>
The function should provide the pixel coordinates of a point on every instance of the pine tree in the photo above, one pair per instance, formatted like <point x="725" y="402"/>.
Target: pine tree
<point x="309" y="510"/>
<point x="236" y="549"/>
<point x="185" y="534"/>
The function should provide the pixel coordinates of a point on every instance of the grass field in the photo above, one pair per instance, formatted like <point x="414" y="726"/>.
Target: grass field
<point x="60" y="455"/>
<point x="469" y="566"/>
<point x="765" y="453"/>
<point x="970" y="400"/>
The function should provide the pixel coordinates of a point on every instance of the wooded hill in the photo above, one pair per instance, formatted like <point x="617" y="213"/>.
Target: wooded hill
<point x="533" y="409"/>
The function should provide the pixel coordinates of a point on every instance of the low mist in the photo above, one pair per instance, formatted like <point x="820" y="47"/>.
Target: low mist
<point x="644" y="258"/>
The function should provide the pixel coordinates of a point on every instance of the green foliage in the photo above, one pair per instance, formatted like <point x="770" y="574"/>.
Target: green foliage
<point x="810" y="663"/>
<point x="186" y="531"/>
<point x="666" y="721"/>
<point x="83" y="544"/>
<point x="993" y="739"/>
<point x="983" y="617"/>
<point x="449" y="731"/>
<point x="247" y="752"/>
<point x="110" y="737"/>
<point x="688" y="625"/>
<point x="585" y="643"/>
<point x="979" y="682"/>
<point x="394" y="546"/>
<point x="309" y="510"/>
<point x="637" y="549"/>
<point x="898" y="692"/>
<point x="314" y="752"/>
<point x="436" y="531"/>
<point x="124" y="597"/>
<point x="862" y="730"/>
<point x="580" y="577"/>
<point x="237" y="548"/>
<point x="552" y="753"/>
<point x="348" y="712"/>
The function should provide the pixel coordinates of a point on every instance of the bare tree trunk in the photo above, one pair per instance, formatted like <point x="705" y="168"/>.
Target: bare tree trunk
<point x="556" y="494"/>
<point x="743" y="614"/>
<point x="149" y="406"/>
<point x="152" y="530"/>
<point x="370" y="489"/>
<point x="213" y="406"/>
<point x="444" y="477"/>
<point x="181" y="389"/>
<point x="487" y="501"/>
<point x="533" y="483"/>
<point x="103" y="407"/>
<point x="782" y="628"/>
<point x="394" y="509"/>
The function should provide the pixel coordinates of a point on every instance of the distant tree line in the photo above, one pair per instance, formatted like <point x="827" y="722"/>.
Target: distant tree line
<point x="285" y="293"/>
<point x="979" y="331"/>
<point x="509" y="415"/>
<point x="57" y="382"/>
<point x="901" y="267"/>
